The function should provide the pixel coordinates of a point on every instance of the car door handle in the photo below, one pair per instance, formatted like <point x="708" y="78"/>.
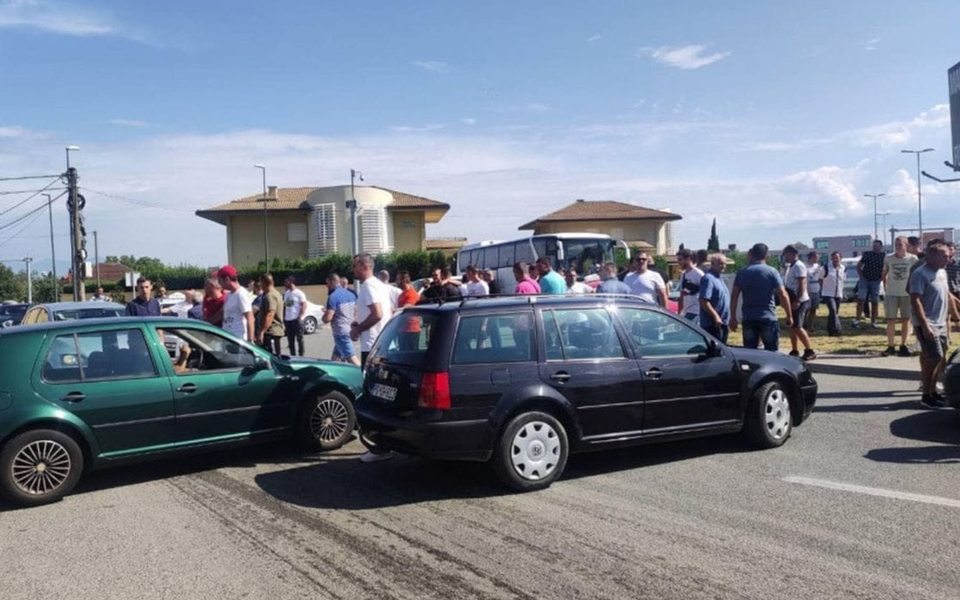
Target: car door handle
<point x="653" y="373"/>
<point x="561" y="376"/>
<point x="187" y="388"/>
<point x="73" y="397"/>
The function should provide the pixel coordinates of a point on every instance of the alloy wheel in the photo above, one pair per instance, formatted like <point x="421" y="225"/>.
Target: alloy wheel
<point x="329" y="420"/>
<point x="41" y="467"/>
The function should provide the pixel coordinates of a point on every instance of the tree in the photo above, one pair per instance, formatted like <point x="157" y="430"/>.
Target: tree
<point x="11" y="286"/>
<point x="681" y="247"/>
<point x="713" y="244"/>
<point x="801" y="246"/>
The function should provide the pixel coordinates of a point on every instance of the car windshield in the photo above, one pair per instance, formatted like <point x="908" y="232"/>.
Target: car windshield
<point x="405" y="339"/>
<point x="85" y="313"/>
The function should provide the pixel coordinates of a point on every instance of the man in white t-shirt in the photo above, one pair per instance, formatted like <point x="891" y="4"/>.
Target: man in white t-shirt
<point x="795" y="282"/>
<point x="646" y="283"/>
<point x="294" y="307"/>
<point x="476" y="286"/>
<point x="373" y="306"/>
<point x="238" y="307"/>
<point x="896" y="301"/>
<point x="689" y="305"/>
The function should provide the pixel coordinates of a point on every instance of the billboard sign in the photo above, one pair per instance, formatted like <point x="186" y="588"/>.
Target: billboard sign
<point x="953" y="79"/>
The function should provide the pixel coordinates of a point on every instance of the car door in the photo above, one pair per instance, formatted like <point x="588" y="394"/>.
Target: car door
<point x="585" y="360"/>
<point x="685" y="383"/>
<point x="110" y="380"/>
<point x="229" y="389"/>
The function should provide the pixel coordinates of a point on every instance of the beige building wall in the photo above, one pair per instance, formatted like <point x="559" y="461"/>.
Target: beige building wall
<point x="653" y="232"/>
<point x="409" y="230"/>
<point x="245" y="238"/>
<point x="338" y="196"/>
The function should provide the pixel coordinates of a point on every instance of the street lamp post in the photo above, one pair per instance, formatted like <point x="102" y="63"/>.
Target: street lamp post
<point x="352" y="205"/>
<point x="53" y="251"/>
<point x="266" y="235"/>
<point x="919" y="193"/>
<point x="883" y="228"/>
<point x="874" y="196"/>
<point x="70" y="149"/>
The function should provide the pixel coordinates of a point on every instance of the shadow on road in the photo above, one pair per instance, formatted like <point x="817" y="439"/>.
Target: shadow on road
<point x="355" y="485"/>
<point x="935" y="426"/>
<point x="872" y="407"/>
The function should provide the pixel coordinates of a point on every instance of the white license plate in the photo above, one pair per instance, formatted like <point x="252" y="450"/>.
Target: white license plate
<point x="385" y="392"/>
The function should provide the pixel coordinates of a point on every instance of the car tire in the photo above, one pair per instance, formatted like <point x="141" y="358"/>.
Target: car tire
<point x="531" y="452"/>
<point x="39" y="467"/>
<point x="309" y="325"/>
<point x="768" y="421"/>
<point x="326" y="422"/>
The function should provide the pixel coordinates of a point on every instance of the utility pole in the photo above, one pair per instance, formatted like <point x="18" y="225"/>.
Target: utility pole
<point x="266" y="234"/>
<point x="352" y="205"/>
<point x="53" y="252"/>
<point x="78" y="253"/>
<point x="29" y="260"/>
<point x="96" y="257"/>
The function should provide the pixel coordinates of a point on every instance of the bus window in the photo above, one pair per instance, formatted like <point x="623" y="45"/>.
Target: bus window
<point x="490" y="258"/>
<point x="524" y="252"/>
<point x="507" y="256"/>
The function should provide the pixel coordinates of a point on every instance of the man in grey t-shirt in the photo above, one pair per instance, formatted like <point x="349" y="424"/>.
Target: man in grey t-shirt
<point x="929" y="298"/>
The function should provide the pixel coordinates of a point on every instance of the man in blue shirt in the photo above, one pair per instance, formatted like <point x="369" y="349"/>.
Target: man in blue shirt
<point x="609" y="282"/>
<point x="715" y="300"/>
<point x="341" y="311"/>
<point x="759" y="283"/>
<point x="143" y="305"/>
<point x="550" y="281"/>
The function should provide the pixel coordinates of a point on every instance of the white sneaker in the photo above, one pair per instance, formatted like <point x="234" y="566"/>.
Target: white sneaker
<point x="369" y="457"/>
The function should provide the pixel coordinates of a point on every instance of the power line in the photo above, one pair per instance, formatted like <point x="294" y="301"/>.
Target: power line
<point x="28" y="214"/>
<point x="136" y="202"/>
<point x="12" y="192"/>
<point x="36" y="215"/>
<point x="30" y="197"/>
<point x="27" y="177"/>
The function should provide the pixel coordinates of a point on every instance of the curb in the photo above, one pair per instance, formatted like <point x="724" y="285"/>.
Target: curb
<point x="828" y="369"/>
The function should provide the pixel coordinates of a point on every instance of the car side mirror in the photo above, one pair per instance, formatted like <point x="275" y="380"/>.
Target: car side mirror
<point x="259" y="364"/>
<point x="713" y="349"/>
<point x="7" y="323"/>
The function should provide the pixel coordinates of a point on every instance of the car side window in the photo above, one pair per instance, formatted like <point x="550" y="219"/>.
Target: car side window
<point x="657" y="334"/>
<point x="573" y="334"/>
<point x="500" y="338"/>
<point x="200" y="350"/>
<point x="98" y="355"/>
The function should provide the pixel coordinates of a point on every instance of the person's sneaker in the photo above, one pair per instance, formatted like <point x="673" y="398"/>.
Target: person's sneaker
<point x="904" y="351"/>
<point x="855" y="324"/>
<point x="888" y="352"/>
<point x="369" y="457"/>
<point x="809" y="354"/>
<point x="795" y="353"/>
<point x="878" y="326"/>
<point x="933" y="401"/>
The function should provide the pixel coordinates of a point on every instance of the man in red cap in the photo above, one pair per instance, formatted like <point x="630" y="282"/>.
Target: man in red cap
<point x="238" y="307"/>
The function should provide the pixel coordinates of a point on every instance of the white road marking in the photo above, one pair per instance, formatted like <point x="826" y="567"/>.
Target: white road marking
<point x="871" y="491"/>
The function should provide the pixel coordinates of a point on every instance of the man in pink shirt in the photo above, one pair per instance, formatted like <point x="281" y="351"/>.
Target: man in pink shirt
<point x="525" y="285"/>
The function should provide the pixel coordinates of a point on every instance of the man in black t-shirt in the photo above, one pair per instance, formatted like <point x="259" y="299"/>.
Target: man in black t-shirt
<point x="870" y="269"/>
<point x="144" y="305"/>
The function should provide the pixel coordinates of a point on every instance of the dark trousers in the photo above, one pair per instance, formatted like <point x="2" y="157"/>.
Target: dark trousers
<point x="768" y="331"/>
<point x="294" y="332"/>
<point x="833" y="316"/>
<point x="271" y="343"/>
<point x="721" y="332"/>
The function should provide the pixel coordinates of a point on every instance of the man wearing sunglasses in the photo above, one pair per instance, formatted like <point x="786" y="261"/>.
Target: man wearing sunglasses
<point x="646" y="283"/>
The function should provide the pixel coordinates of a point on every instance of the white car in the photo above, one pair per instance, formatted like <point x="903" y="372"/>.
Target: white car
<point x="312" y="318"/>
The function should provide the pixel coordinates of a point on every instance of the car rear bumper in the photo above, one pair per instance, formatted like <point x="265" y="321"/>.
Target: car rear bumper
<point x="447" y="440"/>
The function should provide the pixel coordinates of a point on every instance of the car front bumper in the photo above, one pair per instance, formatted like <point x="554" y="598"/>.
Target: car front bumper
<point x="808" y="393"/>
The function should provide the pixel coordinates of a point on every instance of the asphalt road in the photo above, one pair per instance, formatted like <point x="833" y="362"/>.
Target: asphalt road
<point x="862" y="502"/>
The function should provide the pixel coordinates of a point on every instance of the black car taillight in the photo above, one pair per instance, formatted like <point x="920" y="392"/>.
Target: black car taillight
<point x="434" y="391"/>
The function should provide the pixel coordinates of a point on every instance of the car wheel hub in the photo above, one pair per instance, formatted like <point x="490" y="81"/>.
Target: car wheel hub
<point x="777" y="414"/>
<point x="41" y="467"/>
<point x="329" y="420"/>
<point x="535" y="450"/>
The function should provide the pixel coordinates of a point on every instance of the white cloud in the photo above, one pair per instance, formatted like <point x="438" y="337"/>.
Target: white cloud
<point x="468" y="121"/>
<point x="684" y="57"/>
<point x="594" y="38"/>
<point x="871" y="44"/>
<point x="830" y="182"/>
<point x="435" y="66"/>
<point x="897" y="133"/>
<point x="17" y="132"/>
<point x="129" y="123"/>
<point x="413" y="129"/>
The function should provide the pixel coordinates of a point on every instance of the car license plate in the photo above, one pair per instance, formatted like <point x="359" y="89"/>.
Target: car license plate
<point x="386" y="392"/>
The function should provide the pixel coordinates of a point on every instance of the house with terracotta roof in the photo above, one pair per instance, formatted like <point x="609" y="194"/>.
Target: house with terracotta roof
<point x="309" y="222"/>
<point x="638" y="226"/>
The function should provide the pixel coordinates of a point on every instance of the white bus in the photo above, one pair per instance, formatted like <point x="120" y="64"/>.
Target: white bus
<point x="578" y="250"/>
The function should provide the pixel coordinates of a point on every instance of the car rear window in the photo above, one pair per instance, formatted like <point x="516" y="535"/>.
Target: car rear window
<point x="405" y="339"/>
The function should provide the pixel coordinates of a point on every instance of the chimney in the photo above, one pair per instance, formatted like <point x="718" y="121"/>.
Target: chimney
<point x="580" y="200"/>
<point x="272" y="192"/>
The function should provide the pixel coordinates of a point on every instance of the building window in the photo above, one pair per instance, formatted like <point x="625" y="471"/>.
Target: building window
<point x="407" y="224"/>
<point x="296" y="232"/>
<point x="325" y="242"/>
<point x="373" y="230"/>
<point x="821" y="244"/>
<point x="861" y="242"/>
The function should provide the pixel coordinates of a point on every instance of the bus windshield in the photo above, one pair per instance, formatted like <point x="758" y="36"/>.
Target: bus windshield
<point x="585" y="255"/>
<point x="583" y="252"/>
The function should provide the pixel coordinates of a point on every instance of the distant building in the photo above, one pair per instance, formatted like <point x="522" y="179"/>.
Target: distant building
<point x="448" y="245"/>
<point x="847" y="245"/>
<point x="310" y="222"/>
<point x="638" y="226"/>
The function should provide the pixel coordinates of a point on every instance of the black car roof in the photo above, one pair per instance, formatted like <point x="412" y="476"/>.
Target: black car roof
<point x="506" y="301"/>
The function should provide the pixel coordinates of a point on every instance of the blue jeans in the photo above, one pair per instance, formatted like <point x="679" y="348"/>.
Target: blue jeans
<point x="833" y="318"/>
<point x="768" y="331"/>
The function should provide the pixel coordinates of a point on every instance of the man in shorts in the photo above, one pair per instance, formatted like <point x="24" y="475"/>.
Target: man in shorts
<point x="870" y="269"/>
<point x="341" y="311"/>
<point x="896" y="301"/>
<point x="796" y="284"/>
<point x="930" y="299"/>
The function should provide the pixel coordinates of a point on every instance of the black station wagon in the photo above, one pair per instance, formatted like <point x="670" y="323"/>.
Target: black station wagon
<point x="523" y="381"/>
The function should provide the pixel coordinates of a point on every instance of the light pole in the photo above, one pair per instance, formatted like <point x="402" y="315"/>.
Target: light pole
<point x="883" y="216"/>
<point x="266" y="238"/>
<point x="352" y="205"/>
<point x="71" y="149"/>
<point x="919" y="193"/>
<point x="76" y="266"/>
<point x="874" y="196"/>
<point x="53" y="252"/>
<point x="27" y="261"/>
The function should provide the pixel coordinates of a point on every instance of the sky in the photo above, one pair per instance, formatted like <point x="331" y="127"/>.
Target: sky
<point x="773" y="118"/>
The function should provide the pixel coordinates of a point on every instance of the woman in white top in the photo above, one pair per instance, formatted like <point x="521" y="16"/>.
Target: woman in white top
<point x="831" y="292"/>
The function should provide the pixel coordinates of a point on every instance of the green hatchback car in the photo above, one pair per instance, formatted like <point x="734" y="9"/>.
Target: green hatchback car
<point x="83" y="395"/>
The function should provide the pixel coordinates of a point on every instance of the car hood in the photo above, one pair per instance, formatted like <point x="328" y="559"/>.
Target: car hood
<point x="345" y="373"/>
